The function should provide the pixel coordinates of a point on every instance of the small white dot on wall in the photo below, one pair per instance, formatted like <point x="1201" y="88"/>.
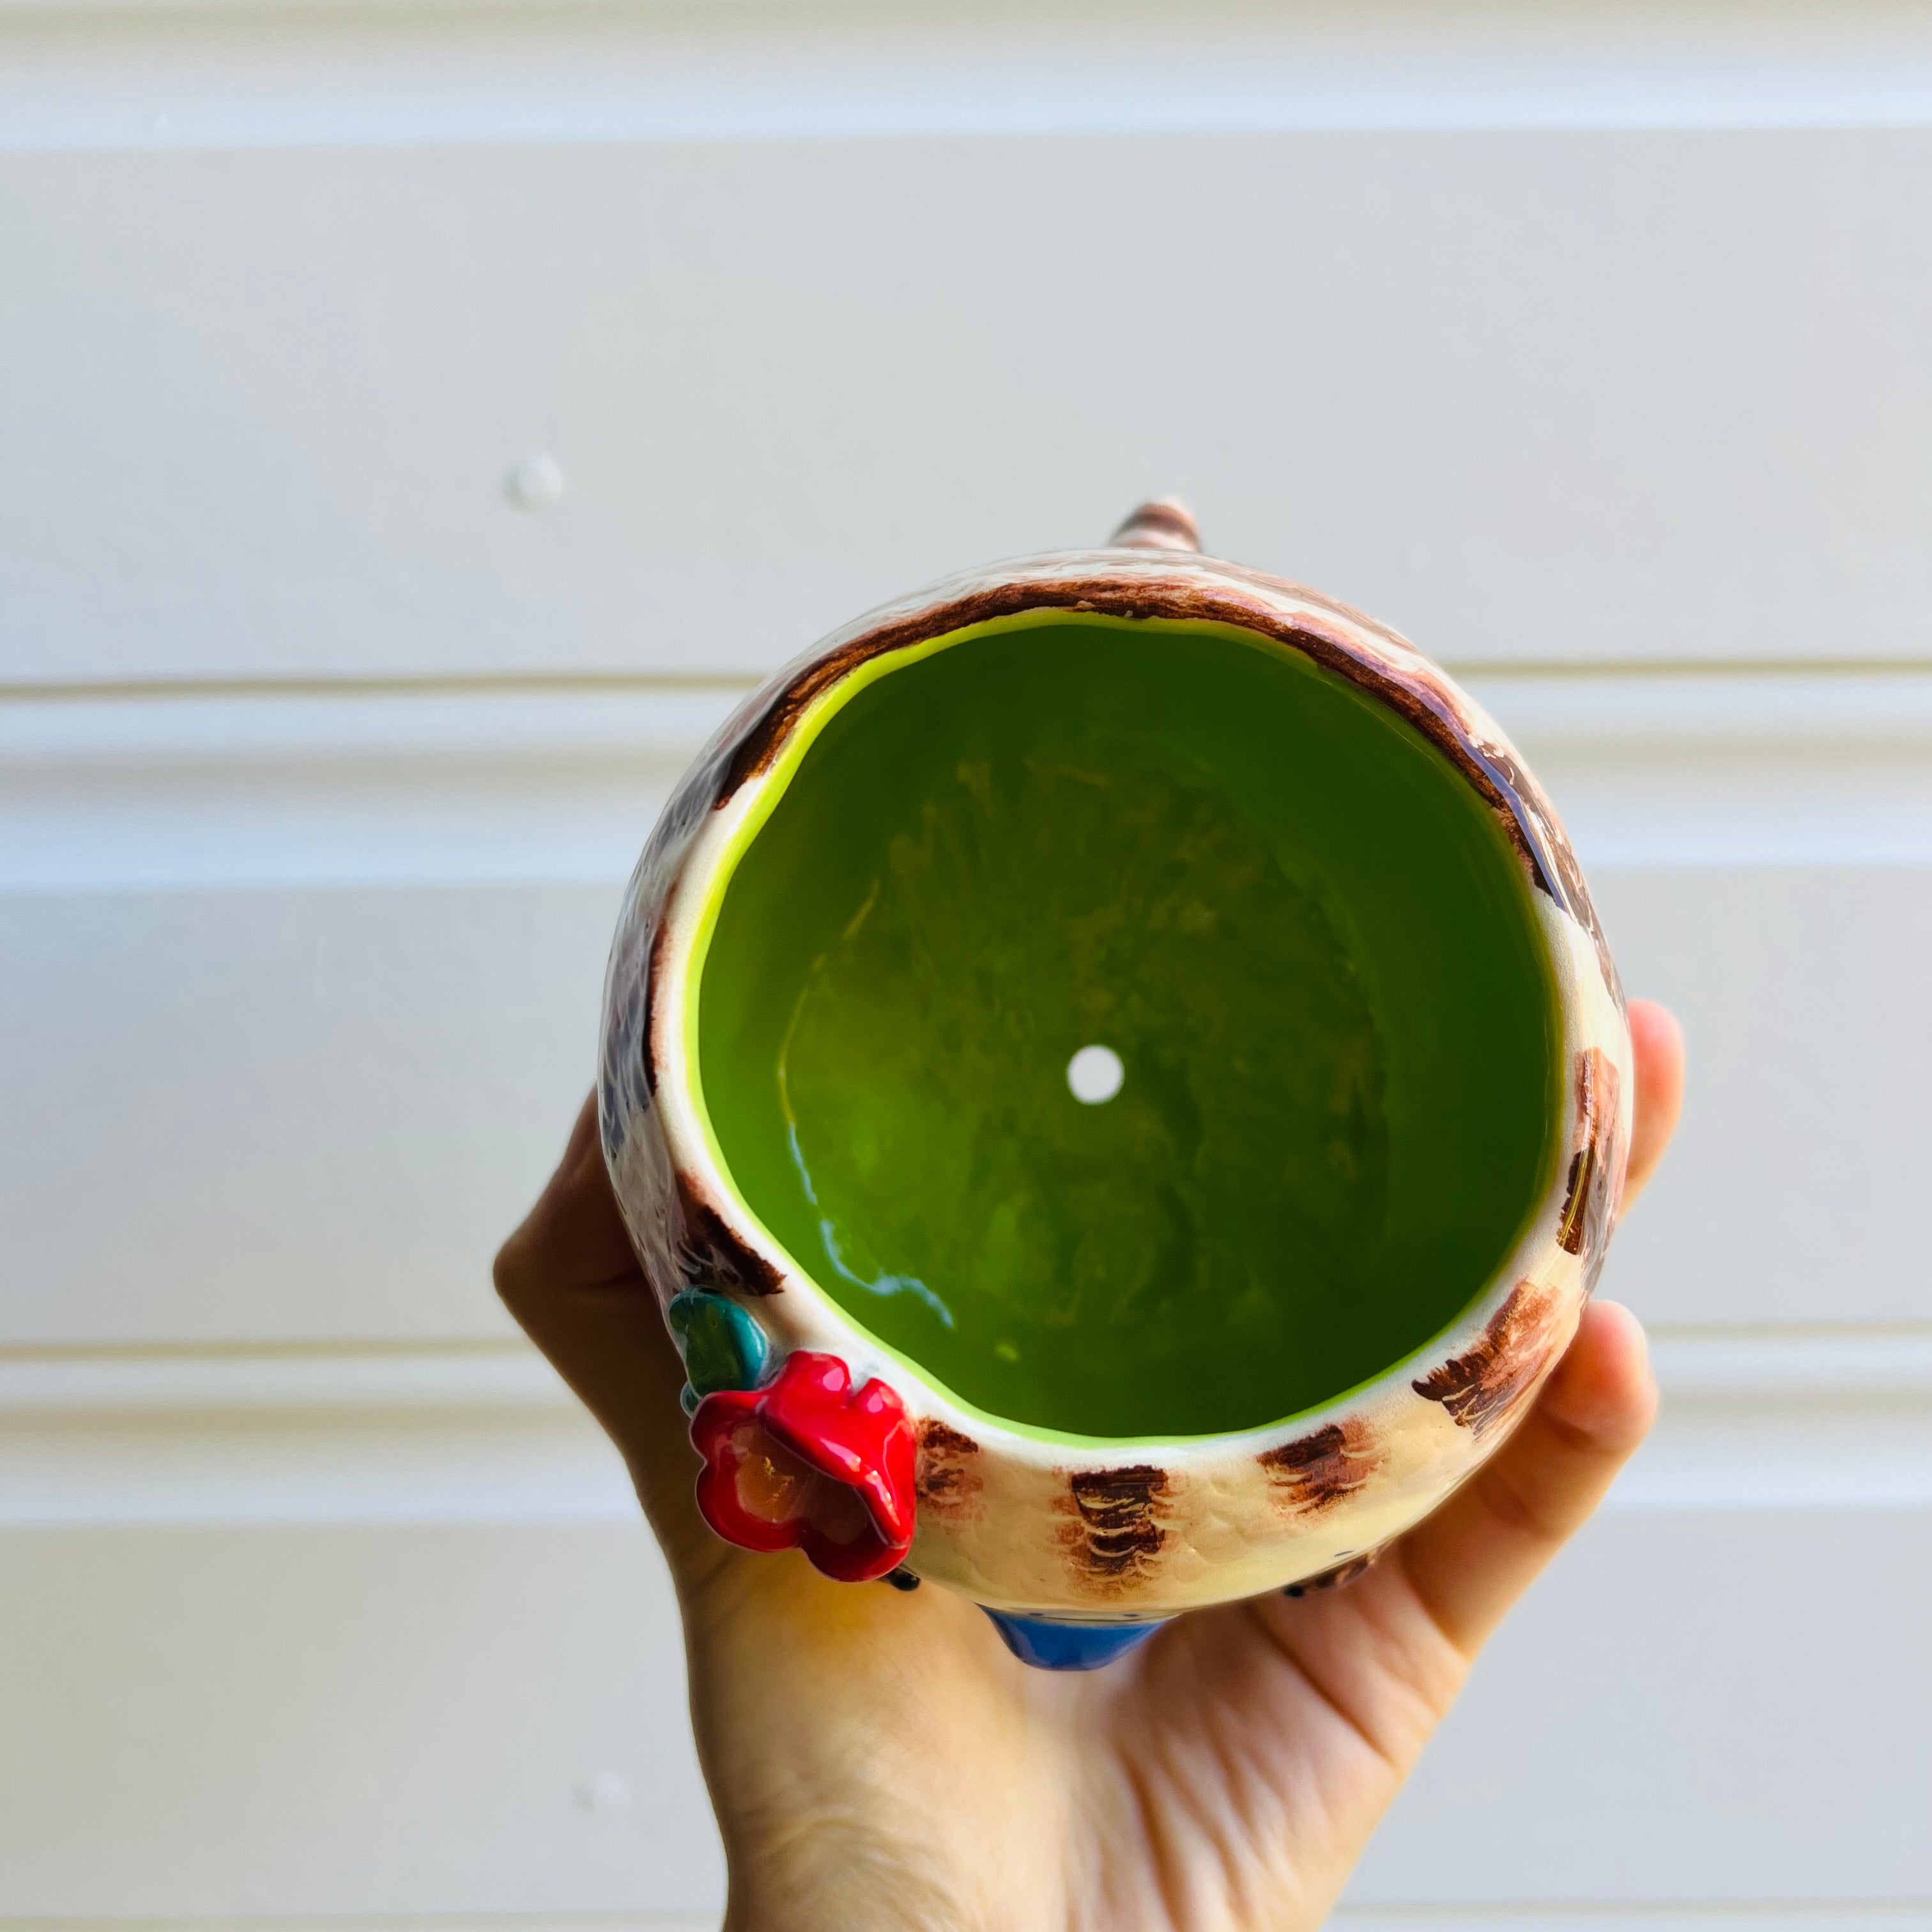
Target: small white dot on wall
<point x="534" y="484"/>
<point x="606" y="1795"/>
<point x="1094" y="1074"/>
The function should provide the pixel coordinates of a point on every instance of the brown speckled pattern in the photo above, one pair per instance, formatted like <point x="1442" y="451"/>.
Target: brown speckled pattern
<point x="1531" y="804"/>
<point x="1401" y="678"/>
<point x="1315" y="1472"/>
<point x="1114" y="1534"/>
<point x="711" y="1254"/>
<point x="1595" y="1180"/>
<point x="1481" y="1387"/>
<point x="948" y="1482"/>
<point x="1416" y="691"/>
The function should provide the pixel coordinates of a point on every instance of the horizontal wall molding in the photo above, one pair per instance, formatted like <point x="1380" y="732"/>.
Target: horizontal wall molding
<point x="481" y="1434"/>
<point x="558" y="781"/>
<point x="171" y="75"/>
<point x="469" y="1437"/>
<point x="442" y="787"/>
<point x="346" y="1383"/>
<point x="1729" y="771"/>
<point x="1886" y="1364"/>
<point x="1882" y="1363"/>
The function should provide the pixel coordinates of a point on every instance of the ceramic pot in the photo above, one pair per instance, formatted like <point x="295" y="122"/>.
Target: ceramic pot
<point x="1112" y="1072"/>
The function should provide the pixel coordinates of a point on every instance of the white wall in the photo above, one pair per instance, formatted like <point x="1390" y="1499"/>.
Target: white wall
<point x="1587" y="343"/>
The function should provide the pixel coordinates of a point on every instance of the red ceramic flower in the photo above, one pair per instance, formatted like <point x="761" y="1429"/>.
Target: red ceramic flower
<point x="810" y="1463"/>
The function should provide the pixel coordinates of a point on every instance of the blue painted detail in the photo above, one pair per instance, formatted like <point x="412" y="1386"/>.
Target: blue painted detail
<point x="723" y="1347"/>
<point x="1049" y="1645"/>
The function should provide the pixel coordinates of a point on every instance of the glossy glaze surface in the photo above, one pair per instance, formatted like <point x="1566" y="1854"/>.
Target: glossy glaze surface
<point x="1305" y="938"/>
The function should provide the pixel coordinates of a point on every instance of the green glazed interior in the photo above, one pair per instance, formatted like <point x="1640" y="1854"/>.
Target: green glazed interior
<point x="1303" y="933"/>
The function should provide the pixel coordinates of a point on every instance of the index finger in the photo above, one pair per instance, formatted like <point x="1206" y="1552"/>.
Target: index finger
<point x="1656" y="1042"/>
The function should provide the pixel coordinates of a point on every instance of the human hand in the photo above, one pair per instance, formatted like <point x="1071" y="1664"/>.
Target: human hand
<point x="878" y="1759"/>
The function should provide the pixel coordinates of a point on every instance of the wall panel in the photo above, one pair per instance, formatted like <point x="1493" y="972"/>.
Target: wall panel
<point x="1710" y="1709"/>
<point x="335" y="1719"/>
<point x="1544" y="395"/>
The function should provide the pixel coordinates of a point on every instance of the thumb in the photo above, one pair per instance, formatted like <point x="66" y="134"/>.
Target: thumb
<point x="571" y="1278"/>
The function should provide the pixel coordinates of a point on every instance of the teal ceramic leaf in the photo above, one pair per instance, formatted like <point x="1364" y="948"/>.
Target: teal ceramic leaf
<point x="723" y="1347"/>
